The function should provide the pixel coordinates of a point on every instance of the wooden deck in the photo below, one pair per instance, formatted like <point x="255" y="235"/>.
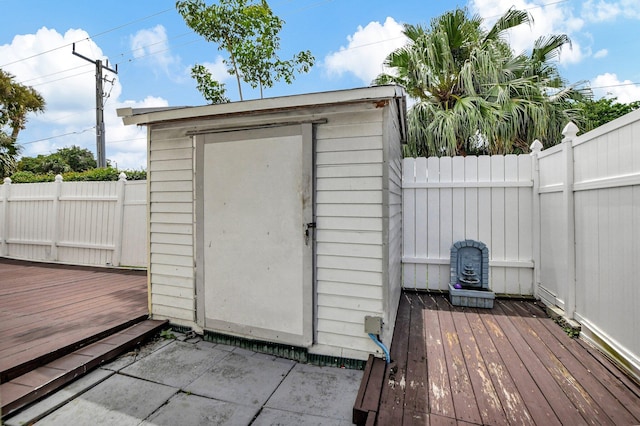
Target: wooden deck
<point x="506" y="365"/>
<point x="49" y="310"/>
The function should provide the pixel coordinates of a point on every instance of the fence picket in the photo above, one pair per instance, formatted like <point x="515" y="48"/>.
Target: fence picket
<point x="408" y="223"/>
<point x="433" y="222"/>
<point x="421" y="224"/>
<point x="471" y="198"/>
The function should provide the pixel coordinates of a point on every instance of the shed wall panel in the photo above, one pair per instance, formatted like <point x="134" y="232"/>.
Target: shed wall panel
<point x="171" y="224"/>
<point x="349" y="216"/>
<point x="392" y="260"/>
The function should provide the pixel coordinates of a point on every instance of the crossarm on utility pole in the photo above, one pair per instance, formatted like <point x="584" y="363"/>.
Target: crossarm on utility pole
<point x="100" y="129"/>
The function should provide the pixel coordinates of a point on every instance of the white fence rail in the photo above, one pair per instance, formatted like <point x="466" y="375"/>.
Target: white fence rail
<point x="481" y="198"/>
<point x="83" y="223"/>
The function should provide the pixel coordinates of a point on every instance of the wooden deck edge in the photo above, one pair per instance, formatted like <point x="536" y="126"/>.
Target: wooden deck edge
<point x="365" y="408"/>
<point x="38" y="392"/>
<point x="32" y="364"/>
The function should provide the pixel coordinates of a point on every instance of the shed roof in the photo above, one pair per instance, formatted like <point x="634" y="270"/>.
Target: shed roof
<point x="143" y="116"/>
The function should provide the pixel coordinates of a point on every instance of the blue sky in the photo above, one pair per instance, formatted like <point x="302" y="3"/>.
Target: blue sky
<point x="154" y="51"/>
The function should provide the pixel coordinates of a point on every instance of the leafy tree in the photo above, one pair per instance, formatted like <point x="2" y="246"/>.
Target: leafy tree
<point x="604" y="110"/>
<point x="71" y="159"/>
<point x="248" y="32"/>
<point x="16" y="101"/>
<point x="9" y="150"/>
<point x="473" y="94"/>
<point x="213" y="91"/>
<point x="78" y="159"/>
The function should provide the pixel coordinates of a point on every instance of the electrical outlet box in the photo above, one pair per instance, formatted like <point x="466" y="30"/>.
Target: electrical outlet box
<point x="372" y="325"/>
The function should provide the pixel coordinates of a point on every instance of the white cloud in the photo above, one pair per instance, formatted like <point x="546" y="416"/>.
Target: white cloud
<point x="367" y="49"/>
<point x="602" y="53"/>
<point x="67" y="84"/>
<point x="152" y="46"/>
<point x="599" y="11"/>
<point x="608" y="11"/>
<point x="547" y="19"/>
<point x="608" y="85"/>
<point x="631" y="8"/>
<point x="218" y="69"/>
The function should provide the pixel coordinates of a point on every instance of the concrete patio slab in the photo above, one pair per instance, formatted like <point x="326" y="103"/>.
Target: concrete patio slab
<point x="73" y="390"/>
<point x="320" y="391"/>
<point x="176" y="365"/>
<point x="173" y="382"/>
<point x="270" y="417"/>
<point x="185" y="409"/>
<point x="119" y="400"/>
<point x="242" y="378"/>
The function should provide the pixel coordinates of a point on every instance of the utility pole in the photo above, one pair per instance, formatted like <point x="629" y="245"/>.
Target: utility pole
<point x="100" y="130"/>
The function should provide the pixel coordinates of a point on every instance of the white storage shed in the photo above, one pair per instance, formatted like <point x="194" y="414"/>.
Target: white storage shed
<point x="278" y="220"/>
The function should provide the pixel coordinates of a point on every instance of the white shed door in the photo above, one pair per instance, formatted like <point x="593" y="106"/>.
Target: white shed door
<point x="256" y="200"/>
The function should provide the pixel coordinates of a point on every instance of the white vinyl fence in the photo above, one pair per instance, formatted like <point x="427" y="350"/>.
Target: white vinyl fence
<point x="589" y="239"/>
<point x="485" y="198"/>
<point x="82" y="223"/>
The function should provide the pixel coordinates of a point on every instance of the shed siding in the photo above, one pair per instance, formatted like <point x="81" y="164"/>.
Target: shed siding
<point x="171" y="224"/>
<point x="349" y="239"/>
<point x="393" y="215"/>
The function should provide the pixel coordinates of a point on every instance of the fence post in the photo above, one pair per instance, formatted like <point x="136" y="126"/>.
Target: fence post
<point x="536" y="147"/>
<point x="56" y="218"/>
<point x="119" y="220"/>
<point x="6" y="190"/>
<point x="569" y="133"/>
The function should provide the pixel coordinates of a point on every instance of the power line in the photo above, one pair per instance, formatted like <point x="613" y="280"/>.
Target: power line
<point x="58" y="136"/>
<point x="53" y="73"/>
<point x="88" y="38"/>
<point x="127" y="140"/>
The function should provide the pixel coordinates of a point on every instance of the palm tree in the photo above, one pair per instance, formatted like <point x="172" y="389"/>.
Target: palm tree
<point x="473" y="94"/>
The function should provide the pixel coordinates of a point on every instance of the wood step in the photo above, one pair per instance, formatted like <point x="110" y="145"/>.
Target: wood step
<point x="42" y="381"/>
<point x="365" y="408"/>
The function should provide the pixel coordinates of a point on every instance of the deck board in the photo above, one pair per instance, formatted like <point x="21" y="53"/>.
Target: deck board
<point x="47" y="307"/>
<point x="507" y="365"/>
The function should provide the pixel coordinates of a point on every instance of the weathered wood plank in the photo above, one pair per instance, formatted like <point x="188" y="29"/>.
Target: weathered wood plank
<point x="464" y="401"/>
<point x="417" y="379"/>
<point x="489" y="404"/>
<point x="515" y="408"/>
<point x="554" y="394"/>
<point x="603" y="406"/>
<point x="392" y="398"/>
<point x="439" y="392"/>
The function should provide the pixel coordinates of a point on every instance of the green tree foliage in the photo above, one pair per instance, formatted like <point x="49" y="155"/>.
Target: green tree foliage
<point x="71" y="159"/>
<point x="473" y="94"/>
<point x="248" y="32"/>
<point x="98" y="174"/>
<point x="604" y="110"/>
<point x="16" y="101"/>
<point x="73" y="163"/>
<point x="212" y="90"/>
